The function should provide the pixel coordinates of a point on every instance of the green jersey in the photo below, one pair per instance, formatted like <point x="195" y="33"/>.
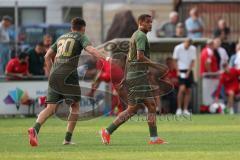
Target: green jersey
<point x="68" y="48"/>
<point x="138" y="42"/>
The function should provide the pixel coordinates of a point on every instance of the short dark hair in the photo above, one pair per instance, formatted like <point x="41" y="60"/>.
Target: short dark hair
<point x="77" y="23"/>
<point x="143" y="17"/>
<point x="22" y="55"/>
<point x="41" y="44"/>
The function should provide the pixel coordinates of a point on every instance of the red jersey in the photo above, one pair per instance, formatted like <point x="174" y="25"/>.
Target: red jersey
<point x="14" y="66"/>
<point x="207" y="56"/>
<point x="172" y="77"/>
<point x="110" y="72"/>
<point x="229" y="80"/>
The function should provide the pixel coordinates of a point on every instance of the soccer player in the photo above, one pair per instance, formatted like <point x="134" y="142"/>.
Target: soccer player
<point x="112" y="73"/>
<point x="229" y="79"/>
<point x="140" y="91"/>
<point x="63" y="79"/>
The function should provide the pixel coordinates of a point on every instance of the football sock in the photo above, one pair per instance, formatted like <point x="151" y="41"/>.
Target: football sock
<point x="111" y="128"/>
<point x="153" y="131"/>
<point x="68" y="136"/>
<point x="153" y="138"/>
<point x="37" y="127"/>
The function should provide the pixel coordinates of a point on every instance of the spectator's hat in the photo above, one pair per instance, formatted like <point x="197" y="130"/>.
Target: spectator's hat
<point x="8" y="18"/>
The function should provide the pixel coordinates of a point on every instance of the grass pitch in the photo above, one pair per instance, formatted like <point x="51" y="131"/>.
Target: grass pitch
<point x="205" y="137"/>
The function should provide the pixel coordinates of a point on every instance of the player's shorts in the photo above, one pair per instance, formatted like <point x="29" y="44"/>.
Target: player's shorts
<point x="63" y="88"/>
<point x="139" y="90"/>
<point x="186" y="81"/>
<point x="54" y="97"/>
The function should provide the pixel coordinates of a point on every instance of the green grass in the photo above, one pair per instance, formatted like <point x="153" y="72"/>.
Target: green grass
<point x="204" y="137"/>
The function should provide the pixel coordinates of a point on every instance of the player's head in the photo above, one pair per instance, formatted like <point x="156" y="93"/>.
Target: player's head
<point x="6" y="21"/>
<point x="225" y="66"/>
<point x="145" y="22"/>
<point x="78" y="24"/>
<point x="187" y="42"/>
<point x="40" y="48"/>
<point x="23" y="57"/>
<point x="217" y="42"/>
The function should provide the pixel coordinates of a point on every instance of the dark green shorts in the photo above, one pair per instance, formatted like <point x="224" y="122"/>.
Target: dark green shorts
<point x="55" y="97"/>
<point x="139" y="90"/>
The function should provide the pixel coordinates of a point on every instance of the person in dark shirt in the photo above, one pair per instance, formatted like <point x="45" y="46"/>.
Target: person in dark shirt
<point x="36" y="59"/>
<point x="222" y="31"/>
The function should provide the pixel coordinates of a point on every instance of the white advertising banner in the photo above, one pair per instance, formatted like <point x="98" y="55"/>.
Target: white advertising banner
<point x="14" y="92"/>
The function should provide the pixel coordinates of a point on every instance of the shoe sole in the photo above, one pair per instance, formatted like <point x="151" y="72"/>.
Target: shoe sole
<point x="32" y="140"/>
<point x="103" y="141"/>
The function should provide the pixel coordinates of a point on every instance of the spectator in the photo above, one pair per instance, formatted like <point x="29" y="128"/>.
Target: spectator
<point x="168" y="29"/>
<point x="4" y="42"/>
<point x="36" y="59"/>
<point x="194" y="24"/>
<point x="180" y="31"/>
<point x="236" y="60"/>
<point x="229" y="80"/>
<point x="185" y="56"/>
<point x="222" y="31"/>
<point x="220" y="53"/>
<point x="17" y="68"/>
<point x="208" y="62"/>
<point x="153" y="33"/>
<point x="171" y="98"/>
<point x="47" y="42"/>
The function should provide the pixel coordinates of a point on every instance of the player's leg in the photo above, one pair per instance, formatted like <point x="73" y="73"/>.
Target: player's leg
<point x="230" y="101"/>
<point x="180" y="96"/>
<point x="72" y="121"/>
<point x="120" y="119"/>
<point x="42" y="117"/>
<point x="52" y="99"/>
<point x="151" y="120"/>
<point x="187" y="99"/>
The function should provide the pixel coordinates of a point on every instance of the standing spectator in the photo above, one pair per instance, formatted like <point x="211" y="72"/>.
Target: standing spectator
<point x="168" y="29"/>
<point x="208" y="62"/>
<point x="194" y="24"/>
<point x="36" y="59"/>
<point x="153" y="33"/>
<point x="236" y="60"/>
<point x="180" y="31"/>
<point x="229" y="79"/>
<point x="185" y="56"/>
<point x="222" y="31"/>
<point x="220" y="52"/>
<point x="17" y="68"/>
<point x="47" y="42"/>
<point x="4" y="42"/>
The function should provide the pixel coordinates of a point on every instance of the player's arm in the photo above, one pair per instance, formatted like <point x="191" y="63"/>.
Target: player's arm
<point x="48" y="60"/>
<point x="93" y="51"/>
<point x="142" y="58"/>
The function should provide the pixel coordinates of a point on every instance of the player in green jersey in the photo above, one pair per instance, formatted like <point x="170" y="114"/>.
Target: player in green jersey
<point x="63" y="78"/>
<point x="140" y="91"/>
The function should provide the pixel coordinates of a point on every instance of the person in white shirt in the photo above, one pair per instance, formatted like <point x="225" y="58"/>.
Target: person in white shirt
<point x="236" y="62"/>
<point x="4" y="42"/>
<point x="185" y="56"/>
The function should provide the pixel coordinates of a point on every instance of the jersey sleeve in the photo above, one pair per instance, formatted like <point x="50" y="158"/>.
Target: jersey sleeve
<point x="54" y="47"/>
<point x="175" y="53"/>
<point x="141" y="42"/>
<point x="10" y="66"/>
<point x="85" y="41"/>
